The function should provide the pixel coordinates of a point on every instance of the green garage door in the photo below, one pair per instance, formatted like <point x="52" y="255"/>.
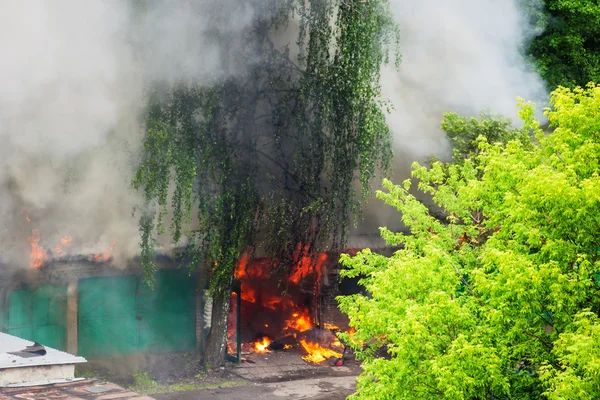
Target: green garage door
<point x="107" y="316"/>
<point x="38" y="315"/>
<point x="122" y="315"/>
<point x="168" y="313"/>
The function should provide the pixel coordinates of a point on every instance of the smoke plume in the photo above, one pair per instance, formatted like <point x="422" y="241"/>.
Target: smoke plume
<point x="464" y="56"/>
<point x="73" y="77"/>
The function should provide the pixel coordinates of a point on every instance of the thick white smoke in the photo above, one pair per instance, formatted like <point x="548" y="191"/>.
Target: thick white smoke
<point x="74" y="72"/>
<point x="72" y="78"/>
<point x="182" y="40"/>
<point x="463" y="56"/>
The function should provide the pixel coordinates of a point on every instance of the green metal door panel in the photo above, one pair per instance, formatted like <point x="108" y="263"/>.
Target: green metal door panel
<point x="50" y="316"/>
<point x="107" y="316"/>
<point x="25" y="332"/>
<point x="168" y="313"/>
<point x="39" y="316"/>
<point x="19" y="321"/>
<point x="20" y="314"/>
<point x="49" y="305"/>
<point x="52" y="336"/>
<point x="3" y="312"/>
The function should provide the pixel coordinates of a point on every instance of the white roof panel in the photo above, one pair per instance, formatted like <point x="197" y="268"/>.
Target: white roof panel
<point x="9" y="343"/>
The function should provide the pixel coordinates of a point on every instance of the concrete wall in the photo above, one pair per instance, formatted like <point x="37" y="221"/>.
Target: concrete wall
<point x="10" y="376"/>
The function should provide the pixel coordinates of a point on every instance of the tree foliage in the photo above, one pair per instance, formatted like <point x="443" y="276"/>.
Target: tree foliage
<point x="268" y="156"/>
<point x="567" y="52"/>
<point x="464" y="132"/>
<point x="500" y="300"/>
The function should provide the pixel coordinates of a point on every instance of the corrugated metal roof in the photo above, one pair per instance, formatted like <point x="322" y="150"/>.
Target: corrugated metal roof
<point x="9" y="343"/>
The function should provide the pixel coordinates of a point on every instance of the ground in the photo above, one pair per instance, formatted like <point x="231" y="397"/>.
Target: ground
<point x="332" y="388"/>
<point x="275" y="375"/>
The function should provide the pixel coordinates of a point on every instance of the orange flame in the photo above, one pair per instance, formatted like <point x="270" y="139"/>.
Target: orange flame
<point x="38" y="255"/>
<point x="240" y="272"/>
<point x="262" y="345"/>
<point x="331" y="327"/>
<point x="317" y="353"/>
<point x="260" y="290"/>
<point x="105" y="255"/>
<point x="352" y="339"/>
<point x="248" y="295"/>
<point x="299" y="322"/>
<point x="336" y="343"/>
<point x="307" y="265"/>
<point x="65" y="241"/>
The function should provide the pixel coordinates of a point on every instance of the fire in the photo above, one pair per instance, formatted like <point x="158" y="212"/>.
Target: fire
<point x="317" y="353"/>
<point x="299" y="322"/>
<point x="262" y="345"/>
<point x="65" y="241"/>
<point x="277" y="307"/>
<point x="248" y="295"/>
<point x="272" y="302"/>
<point x="259" y="269"/>
<point x="351" y="338"/>
<point x="105" y="255"/>
<point x="38" y="255"/>
<point x="307" y="265"/>
<point x="240" y="272"/>
<point x="100" y="257"/>
<point x="331" y="327"/>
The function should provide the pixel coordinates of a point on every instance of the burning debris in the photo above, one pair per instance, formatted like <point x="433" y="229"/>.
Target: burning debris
<point x="262" y="345"/>
<point x="39" y="255"/>
<point x="105" y="255"/>
<point x="280" y="313"/>
<point x="316" y="353"/>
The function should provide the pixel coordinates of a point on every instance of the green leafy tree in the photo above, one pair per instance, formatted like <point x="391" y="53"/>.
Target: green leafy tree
<point x="464" y="132"/>
<point x="567" y="52"/>
<point x="268" y="157"/>
<point x="500" y="299"/>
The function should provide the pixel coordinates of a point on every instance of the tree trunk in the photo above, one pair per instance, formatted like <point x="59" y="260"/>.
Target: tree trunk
<point x="216" y="344"/>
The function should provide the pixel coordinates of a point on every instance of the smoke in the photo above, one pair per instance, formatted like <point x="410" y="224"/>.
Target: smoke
<point x="191" y="40"/>
<point x="463" y="56"/>
<point x="73" y="78"/>
<point x="74" y="75"/>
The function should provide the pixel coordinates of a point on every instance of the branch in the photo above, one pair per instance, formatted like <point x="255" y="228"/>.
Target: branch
<point x="284" y="57"/>
<point x="286" y="169"/>
<point x="542" y="341"/>
<point x="481" y="303"/>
